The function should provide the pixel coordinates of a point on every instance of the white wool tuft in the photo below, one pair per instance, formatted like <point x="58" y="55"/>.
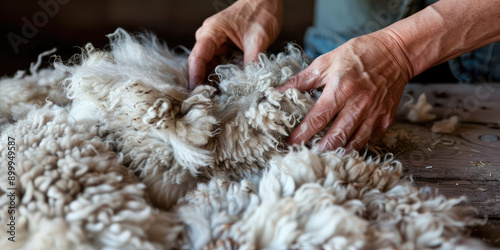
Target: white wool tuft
<point x="23" y="92"/>
<point x="73" y="185"/>
<point x="421" y="111"/>
<point x="128" y="158"/>
<point x="446" y="125"/>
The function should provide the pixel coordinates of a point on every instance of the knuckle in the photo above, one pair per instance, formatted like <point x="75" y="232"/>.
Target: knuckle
<point x="339" y="137"/>
<point x="210" y="20"/>
<point x="198" y="33"/>
<point x="210" y="27"/>
<point x="383" y="111"/>
<point x="357" y="145"/>
<point x="366" y="100"/>
<point x="342" y="136"/>
<point x="318" y="61"/>
<point x="346" y="88"/>
<point x="332" y="142"/>
<point x="387" y="122"/>
<point x="294" y="81"/>
<point x="318" y="122"/>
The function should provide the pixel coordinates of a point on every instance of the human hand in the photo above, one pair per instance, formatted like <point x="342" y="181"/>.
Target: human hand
<point x="363" y="83"/>
<point x="251" y="25"/>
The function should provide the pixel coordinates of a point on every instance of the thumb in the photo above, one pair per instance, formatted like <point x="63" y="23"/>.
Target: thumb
<point x="254" y="43"/>
<point x="252" y="53"/>
<point x="309" y="78"/>
<point x="203" y="51"/>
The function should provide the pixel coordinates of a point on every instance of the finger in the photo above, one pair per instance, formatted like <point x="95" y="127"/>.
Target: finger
<point x="202" y="53"/>
<point x="251" y="54"/>
<point x="378" y="133"/>
<point x="380" y="130"/>
<point x="362" y="134"/>
<point x="318" y="117"/>
<point x="309" y="78"/>
<point x="251" y="51"/>
<point x="347" y="121"/>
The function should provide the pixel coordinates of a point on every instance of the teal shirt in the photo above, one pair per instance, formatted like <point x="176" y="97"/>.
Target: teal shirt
<point x="357" y="16"/>
<point x="337" y="21"/>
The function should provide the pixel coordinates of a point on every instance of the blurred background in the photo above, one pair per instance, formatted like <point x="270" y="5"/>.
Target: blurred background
<point x="77" y="22"/>
<point x="28" y="28"/>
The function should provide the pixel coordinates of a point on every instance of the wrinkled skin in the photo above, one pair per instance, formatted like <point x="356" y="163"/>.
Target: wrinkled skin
<point x="363" y="82"/>
<point x="247" y="24"/>
<point x="364" y="78"/>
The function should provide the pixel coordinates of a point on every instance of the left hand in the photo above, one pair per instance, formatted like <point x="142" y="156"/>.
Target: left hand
<point x="251" y="25"/>
<point x="363" y="83"/>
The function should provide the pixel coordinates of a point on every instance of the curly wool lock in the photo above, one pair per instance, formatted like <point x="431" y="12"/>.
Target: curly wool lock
<point x="131" y="159"/>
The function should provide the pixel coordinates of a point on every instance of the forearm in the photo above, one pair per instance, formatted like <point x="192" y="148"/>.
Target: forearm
<point x="446" y="30"/>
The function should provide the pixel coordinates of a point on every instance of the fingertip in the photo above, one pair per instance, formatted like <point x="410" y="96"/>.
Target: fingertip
<point x="291" y="83"/>
<point x="349" y="150"/>
<point x="291" y="138"/>
<point x="354" y="146"/>
<point x="333" y="139"/>
<point x="327" y="145"/>
<point x="301" y="134"/>
<point x="203" y="51"/>
<point x="292" y="141"/>
<point x="194" y="76"/>
<point x="192" y="83"/>
<point x="282" y="88"/>
<point x="303" y="81"/>
<point x="322" y="145"/>
<point x="249" y="58"/>
<point x="251" y="49"/>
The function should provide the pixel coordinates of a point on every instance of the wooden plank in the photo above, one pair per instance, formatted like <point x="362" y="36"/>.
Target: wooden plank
<point x="490" y="233"/>
<point x="471" y="102"/>
<point x="469" y="166"/>
<point x="461" y="155"/>
<point x="483" y="196"/>
<point x="465" y="162"/>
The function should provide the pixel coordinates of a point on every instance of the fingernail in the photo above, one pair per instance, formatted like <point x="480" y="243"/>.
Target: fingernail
<point x="323" y="145"/>
<point x="280" y="89"/>
<point x="329" y="145"/>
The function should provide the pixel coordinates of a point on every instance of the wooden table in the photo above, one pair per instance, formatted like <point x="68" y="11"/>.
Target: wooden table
<point x="465" y="162"/>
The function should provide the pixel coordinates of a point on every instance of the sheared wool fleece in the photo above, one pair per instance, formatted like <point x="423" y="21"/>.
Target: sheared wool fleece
<point x="114" y="152"/>
<point x="446" y="125"/>
<point x="420" y="111"/>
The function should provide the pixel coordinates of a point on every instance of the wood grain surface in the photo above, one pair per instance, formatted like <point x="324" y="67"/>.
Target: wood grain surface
<point x="465" y="162"/>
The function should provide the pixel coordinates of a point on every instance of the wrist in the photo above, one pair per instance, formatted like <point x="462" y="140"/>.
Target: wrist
<point x="445" y="30"/>
<point x="397" y="51"/>
<point x="421" y="38"/>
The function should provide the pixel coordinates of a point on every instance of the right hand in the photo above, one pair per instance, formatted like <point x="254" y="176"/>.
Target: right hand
<point x="251" y="25"/>
<point x="363" y="82"/>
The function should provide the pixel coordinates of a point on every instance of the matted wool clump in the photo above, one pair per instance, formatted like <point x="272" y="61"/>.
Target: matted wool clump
<point x="120" y="155"/>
